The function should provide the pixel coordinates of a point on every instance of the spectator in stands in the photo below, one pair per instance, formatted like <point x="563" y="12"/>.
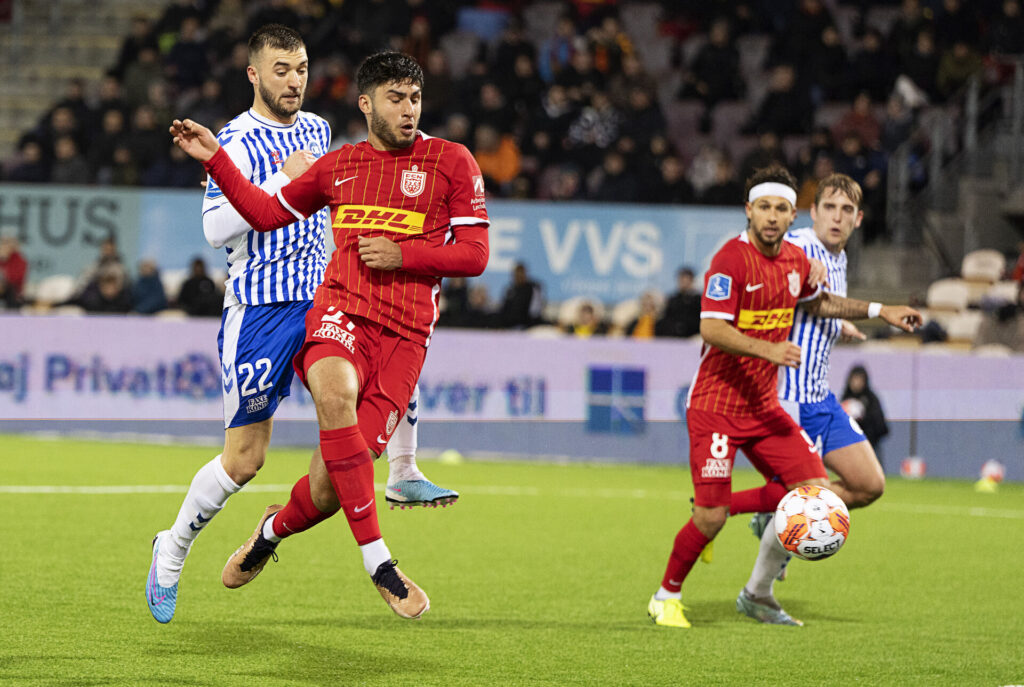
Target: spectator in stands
<point x="492" y="109"/>
<point x="140" y="74"/>
<point x="1017" y="271"/>
<point x="418" y="42"/>
<point x="871" y="70"/>
<point x="554" y="114"/>
<point x="609" y="45"/>
<point x="556" y="52"/>
<point x="681" y="316"/>
<point x="823" y="167"/>
<point x="1006" y="30"/>
<point x="956" y="23"/>
<point x="726" y="189"/>
<point x="465" y="305"/>
<point x="671" y="185"/>
<point x="1004" y="325"/>
<point x="108" y="293"/>
<point x="236" y="91"/>
<point x="905" y="30"/>
<point x="921" y="65"/>
<point x="523" y="302"/>
<point x="867" y="410"/>
<point x="715" y="73"/>
<point x="956" y="66"/>
<point x="30" y="166"/>
<point x="123" y="170"/>
<point x="199" y="295"/>
<point x="786" y="109"/>
<point x="437" y="107"/>
<point x="139" y="38"/>
<point x="497" y="155"/>
<point x="795" y="45"/>
<point x="612" y="182"/>
<point x="524" y="90"/>
<point x="643" y="118"/>
<point x="75" y="100"/>
<point x="597" y="125"/>
<point x="898" y="125"/>
<point x="148" y="291"/>
<point x="510" y="47"/>
<point x="69" y="167"/>
<point x="645" y="323"/>
<point x="860" y="120"/>
<point x="704" y="167"/>
<point x="579" y="78"/>
<point x="768" y="152"/>
<point x="108" y="261"/>
<point x="829" y="66"/>
<point x="586" y="323"/>
<point x="148" y="138"/>
<point x="13" y="271"/>
<point x="187" y="65"/>
<point x="632" y="75"/>
<point x="111" y="97"/>
<point x="60" y="123"/>
<point x="210" y="104"/>
<point x="173" y="170"/>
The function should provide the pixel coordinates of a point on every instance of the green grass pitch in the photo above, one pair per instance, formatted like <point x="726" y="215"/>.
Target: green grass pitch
<point x="540" y="575"/>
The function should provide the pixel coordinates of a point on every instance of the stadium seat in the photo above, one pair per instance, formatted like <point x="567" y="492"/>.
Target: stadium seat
<point x="993" y="350"/>
<point x="172" y="281"/>
<point x="625" y="312"/>
<point x="55" y="289"/>
<point x="963" y="326"/>
<point x="728" y="118"/>
<point x="829" y="113"/>
<point x="985" y="265"/>
<point x="753" y="50"/>
<point x="1002" y="292"/>
<point x="640" y="21"/>
<point x="545" y="331"/>
<point x="171" y="314"/>
<point x="948" y="294"/>
<point x="540" y="19"/>
<point x="460" y="47"/>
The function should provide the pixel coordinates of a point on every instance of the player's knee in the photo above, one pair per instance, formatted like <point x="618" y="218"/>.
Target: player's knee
<point x="710" y="520"/>
<point x="871" y="491"/>
<point x="243" y="465"/>
<point x="324" y="497"/>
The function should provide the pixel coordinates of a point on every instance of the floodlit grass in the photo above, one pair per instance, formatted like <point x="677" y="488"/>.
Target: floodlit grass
<point x="540" y="575"/>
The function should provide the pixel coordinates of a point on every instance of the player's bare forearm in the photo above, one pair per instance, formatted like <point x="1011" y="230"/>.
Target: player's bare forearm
<point x="262" y="212"/>
<point x="831" y="305"/>
<point x="722" y="335"/>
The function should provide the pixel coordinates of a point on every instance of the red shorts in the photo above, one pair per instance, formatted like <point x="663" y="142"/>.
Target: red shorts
<point x="773" y="443"/>
<point x="388" y="366"/>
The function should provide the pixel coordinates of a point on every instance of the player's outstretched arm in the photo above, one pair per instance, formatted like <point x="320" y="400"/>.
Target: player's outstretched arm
<point x="722" y="335"/>
<point x="831" y="305"/>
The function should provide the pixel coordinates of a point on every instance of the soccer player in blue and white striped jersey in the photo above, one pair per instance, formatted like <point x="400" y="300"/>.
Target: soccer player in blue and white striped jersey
<point x="804" y="390"/>
<point x="272" y="277"/>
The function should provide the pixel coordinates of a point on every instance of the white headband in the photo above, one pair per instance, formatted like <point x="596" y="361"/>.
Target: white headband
<point x="771" y="188"/>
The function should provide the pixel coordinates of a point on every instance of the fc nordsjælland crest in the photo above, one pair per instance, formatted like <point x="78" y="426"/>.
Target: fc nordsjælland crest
<point x="413" y="182"/>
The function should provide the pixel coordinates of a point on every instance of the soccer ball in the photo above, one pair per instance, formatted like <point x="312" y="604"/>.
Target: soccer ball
<point x="812" y="522"/>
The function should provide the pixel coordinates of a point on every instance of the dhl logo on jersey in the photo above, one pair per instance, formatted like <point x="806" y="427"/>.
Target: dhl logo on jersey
<point x="377" y="217"/>
<point x="765" y="319"/>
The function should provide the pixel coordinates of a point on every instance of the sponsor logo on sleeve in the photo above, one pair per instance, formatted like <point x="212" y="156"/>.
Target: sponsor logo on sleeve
<point x="719" y="287"/>
<point x="765" y="319"/>
<point x="212" y="189"/>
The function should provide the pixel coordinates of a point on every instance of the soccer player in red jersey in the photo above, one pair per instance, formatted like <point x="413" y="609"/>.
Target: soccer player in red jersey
<point x="406" y="210"/>
<point x="751" y="288"/>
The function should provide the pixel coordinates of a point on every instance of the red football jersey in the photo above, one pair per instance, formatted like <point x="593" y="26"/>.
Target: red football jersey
<point x="757" y="294"/>
<point x="416" y="196"/>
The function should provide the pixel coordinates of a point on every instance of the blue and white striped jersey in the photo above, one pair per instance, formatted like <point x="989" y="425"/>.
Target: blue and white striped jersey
<point x="285" y="264"/>
<point x="814" y="335"/>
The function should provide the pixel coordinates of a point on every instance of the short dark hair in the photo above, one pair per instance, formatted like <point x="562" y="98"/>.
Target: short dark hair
<point x="388" y="66"/>
<point x="274" y="36"/>
<point x="773" y="173"/>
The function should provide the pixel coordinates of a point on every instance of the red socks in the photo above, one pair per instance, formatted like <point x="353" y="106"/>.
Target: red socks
<point x="761" y="500"/>
<point x="299" y="514"/>
<point x="350" y="468"/>
<point x="685" y="552"/>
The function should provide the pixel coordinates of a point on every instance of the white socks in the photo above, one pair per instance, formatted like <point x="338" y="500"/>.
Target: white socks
<point x="771" y="558"/>
<point x="207" y="494"/>
<point x="403" y="445"/>
<point x="663" y="594"/>
<point x="268" y="529"/>
<point x="374" y="553"/>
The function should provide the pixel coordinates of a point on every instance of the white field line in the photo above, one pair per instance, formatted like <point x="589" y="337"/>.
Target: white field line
<point x="497" y="490"/>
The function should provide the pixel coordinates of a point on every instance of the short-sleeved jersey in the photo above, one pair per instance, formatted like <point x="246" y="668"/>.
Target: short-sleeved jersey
<point x="757" y="294"/>
<point x="415" y="194"/>
<point x="813" y="334"/>
<point x="286" y="264"/>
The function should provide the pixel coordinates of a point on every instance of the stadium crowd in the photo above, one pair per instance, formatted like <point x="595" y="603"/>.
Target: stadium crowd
<point x="557" y="104"/>
<point x="568" y="113"/>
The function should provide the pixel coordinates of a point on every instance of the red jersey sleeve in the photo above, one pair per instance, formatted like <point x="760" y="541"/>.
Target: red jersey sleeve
<point x="305" y="195"/>
<point x="466" y="257"/>
<point x="721" y="285"/>
<point x="466" y="201"/>
<point x="261" y="211"/>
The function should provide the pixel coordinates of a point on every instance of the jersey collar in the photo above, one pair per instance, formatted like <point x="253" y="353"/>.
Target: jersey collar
<point x="270" y="122"/>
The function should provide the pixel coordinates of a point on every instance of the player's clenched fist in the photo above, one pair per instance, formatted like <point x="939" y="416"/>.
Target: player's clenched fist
<point x="785" y="353"/>
<point x="194" y="138"/>
<point x="380" y="253"/>
<point x="297" y="163"/>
